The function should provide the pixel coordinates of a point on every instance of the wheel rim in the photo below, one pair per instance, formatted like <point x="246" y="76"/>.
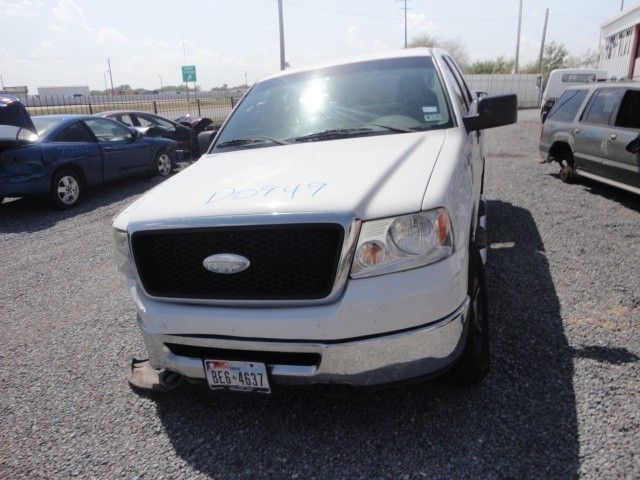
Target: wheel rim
<point x="68" y="190"/>
<point x="164" y="164"/>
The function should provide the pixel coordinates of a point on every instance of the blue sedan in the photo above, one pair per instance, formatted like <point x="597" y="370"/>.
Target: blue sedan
<point x="73" y="152"/>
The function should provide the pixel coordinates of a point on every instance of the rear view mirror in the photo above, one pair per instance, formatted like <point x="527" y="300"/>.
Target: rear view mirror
<point x="493" y="111"/>
<point x="204" y="140"/>
<point x="634" y="146"/>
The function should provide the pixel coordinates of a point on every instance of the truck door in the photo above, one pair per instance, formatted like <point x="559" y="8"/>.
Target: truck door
<point x="591" y="134"/>
<point x="620" y="165"/>
<point x="473" y="147"/>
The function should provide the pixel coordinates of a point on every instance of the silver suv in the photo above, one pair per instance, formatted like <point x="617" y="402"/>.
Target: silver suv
<point x="594" y="132"/>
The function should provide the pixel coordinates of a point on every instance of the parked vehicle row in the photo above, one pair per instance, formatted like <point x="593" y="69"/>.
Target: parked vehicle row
<point x="183" y="130"/>
<point x="563" y="78"/>
<point x="59" y="156"/>
<point x="593" y="132"/>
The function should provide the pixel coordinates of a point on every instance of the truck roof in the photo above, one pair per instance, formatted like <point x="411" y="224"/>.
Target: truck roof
<point x="407" y="52"/>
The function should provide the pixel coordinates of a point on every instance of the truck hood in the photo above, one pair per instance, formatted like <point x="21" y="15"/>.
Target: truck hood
<point x="365" y="177"/>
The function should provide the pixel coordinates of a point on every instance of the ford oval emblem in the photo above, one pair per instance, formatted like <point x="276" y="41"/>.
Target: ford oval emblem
<point x="226" y="263"/>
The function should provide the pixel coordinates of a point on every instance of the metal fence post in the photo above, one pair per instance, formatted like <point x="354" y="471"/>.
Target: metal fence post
<point x="155" y="107"/>
<point x="90" y="108"/>
<point x="198" y="102"/>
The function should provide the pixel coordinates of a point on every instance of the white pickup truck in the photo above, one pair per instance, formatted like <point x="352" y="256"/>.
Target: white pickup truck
<point x="333" y="233"/>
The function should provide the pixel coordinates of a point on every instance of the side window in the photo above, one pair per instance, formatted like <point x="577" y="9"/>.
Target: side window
<point x="75" y="132"/>
<point x="567" y="106"/>
<point x="153" y="121"/>
<point x="629" y="113"/>
<point x="459" y="96"/>
<point x="460" y="79"/>
<point x="108" y="130"/>
<point x="145" y="121"/>
<point x="603" y="105"/>
<point x="125" y="118"/>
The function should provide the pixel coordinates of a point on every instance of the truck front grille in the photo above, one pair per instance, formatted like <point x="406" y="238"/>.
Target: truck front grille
<point x="288" y="262"/>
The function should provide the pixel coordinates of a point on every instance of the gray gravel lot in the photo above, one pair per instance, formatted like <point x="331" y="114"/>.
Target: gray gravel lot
<point x="562" y="399"/>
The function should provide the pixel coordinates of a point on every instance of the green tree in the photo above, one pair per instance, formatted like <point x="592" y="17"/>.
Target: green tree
<point x="455" y="47"/>
<point x="555" y="56"/>
<point x="499" y="65"/>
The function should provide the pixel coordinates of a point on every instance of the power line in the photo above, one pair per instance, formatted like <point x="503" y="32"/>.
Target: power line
<point x="395" y="19"/>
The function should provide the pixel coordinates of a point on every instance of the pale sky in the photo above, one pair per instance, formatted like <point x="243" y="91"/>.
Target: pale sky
<point x="67" y="42"/>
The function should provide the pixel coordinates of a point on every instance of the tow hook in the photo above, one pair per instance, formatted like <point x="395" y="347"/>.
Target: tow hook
<point x="143" y="376"/>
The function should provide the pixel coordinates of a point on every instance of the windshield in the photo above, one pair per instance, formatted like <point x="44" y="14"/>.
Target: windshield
<point x="370" y="98"/>
<point x="44" y="124"/>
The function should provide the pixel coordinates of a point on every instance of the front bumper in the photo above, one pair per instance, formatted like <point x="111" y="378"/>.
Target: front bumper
<point x="380" y="359"/>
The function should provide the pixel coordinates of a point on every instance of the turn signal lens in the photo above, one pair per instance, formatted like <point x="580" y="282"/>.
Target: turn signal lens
<point x="371" y="253"/>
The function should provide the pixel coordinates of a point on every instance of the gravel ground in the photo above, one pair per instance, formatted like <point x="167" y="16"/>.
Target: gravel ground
<point x="562" y="399"/>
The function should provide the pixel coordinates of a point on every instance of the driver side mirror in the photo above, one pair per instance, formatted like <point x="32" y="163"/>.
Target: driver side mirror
<point x="493" y="111"/>
<point x="134" y="135"/>
<point x="25" y="136"/>
<point x="634" y="146"/>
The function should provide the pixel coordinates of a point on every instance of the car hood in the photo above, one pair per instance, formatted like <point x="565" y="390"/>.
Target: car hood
<point x="365" y="177"/>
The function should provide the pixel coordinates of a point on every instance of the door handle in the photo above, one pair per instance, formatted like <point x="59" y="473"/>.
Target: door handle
<point x="576" y="131"/>
<point x="613" y="136"/>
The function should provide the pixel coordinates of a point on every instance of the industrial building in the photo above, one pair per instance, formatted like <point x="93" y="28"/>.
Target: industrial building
<point x="619" y="45"/>
<point x="70" y="91"/>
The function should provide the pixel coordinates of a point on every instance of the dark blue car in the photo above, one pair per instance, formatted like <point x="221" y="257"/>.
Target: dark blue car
<point x="73" y="152"/>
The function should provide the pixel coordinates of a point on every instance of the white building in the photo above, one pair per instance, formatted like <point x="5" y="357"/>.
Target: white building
<point x="619" y="52"/>
<point x="70" y="91"/>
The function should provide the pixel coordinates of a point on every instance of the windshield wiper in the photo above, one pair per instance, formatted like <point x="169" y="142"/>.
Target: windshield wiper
<point x="238" y="142"/>
<point x="333" y="133"/>
<point x="394" y="129"/>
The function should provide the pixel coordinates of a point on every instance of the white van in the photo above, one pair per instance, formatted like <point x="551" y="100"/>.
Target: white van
<point x="563" y="78"/>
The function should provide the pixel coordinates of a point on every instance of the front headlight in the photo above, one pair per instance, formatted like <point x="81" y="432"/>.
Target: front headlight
<point x="124" y="260"/>
<point x="401" y="243"/>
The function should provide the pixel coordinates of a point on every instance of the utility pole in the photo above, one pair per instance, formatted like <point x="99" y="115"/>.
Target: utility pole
<point x="159" y="75"/>
<point x="516" y="69"/>
<point x="544" y="37"/>
<point x="104" y="77"/>
<point x="110" y="76"/>
<point x="405" y="8"/>
<point x="246" y="82"/>
<point x="622" y="5"/>
<point x="281" y="24"/>
<point x="1" y="82"/>
<point x="184" y="62"/>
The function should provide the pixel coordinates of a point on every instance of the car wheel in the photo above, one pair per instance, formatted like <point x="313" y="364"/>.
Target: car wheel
<point x="566" y="173"/>
<point x="66" y="189"/>
<point x="473" y="364"/>
<point x="162" y="164"/>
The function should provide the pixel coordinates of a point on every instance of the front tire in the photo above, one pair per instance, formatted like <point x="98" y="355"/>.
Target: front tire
<point x="566" y="172"/>
<point x="162" y="164"/>
<point x="473" y="364"/>
<point x="66" y="189"/>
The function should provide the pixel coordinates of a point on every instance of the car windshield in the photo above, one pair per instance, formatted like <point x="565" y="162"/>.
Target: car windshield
<point x="369" y="98"/>
<point x="45" y="124"/>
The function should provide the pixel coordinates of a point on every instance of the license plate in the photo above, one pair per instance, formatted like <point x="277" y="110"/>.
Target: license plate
<point x="240" y="376"/>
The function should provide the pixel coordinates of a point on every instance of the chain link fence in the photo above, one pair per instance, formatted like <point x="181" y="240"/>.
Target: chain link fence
<point x="214" y="105"/>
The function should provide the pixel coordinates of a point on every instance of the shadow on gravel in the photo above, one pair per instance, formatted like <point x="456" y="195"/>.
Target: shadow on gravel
<point x="32" y="215"/>
<point x="624" y="198"/>
<point x="519" y="423"/>
<point x="613" y="355"/>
